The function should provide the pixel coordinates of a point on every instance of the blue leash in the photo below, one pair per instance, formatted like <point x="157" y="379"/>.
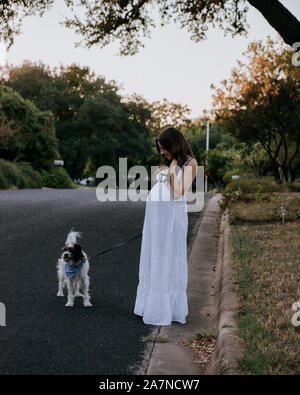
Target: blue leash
<point x="116" y="246"/>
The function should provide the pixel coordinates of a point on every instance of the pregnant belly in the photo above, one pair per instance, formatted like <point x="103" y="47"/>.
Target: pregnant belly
<point x="160" y="192"/>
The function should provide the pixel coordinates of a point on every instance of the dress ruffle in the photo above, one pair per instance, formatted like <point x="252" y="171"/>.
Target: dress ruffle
<point x="161" y="307"/>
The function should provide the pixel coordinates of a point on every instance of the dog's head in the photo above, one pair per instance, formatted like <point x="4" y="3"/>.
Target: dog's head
<point x="72" y="254"/>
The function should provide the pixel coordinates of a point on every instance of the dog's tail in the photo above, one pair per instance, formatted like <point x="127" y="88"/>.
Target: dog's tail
<point x="72" y="237"/>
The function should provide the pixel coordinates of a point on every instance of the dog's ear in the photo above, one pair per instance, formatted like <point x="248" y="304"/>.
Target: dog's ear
<point x="78" y="252"/>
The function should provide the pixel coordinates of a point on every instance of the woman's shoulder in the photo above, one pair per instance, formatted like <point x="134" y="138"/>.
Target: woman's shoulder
<point x="191" y="161"/>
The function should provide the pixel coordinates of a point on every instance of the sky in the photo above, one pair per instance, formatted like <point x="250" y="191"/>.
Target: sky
<point x="170" y="66"/>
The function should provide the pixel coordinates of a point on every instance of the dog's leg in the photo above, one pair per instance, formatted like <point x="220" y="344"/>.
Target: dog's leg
<point x="86" y="296"/>
<point x="60" y="287"/>
<point x="77" y="288"/>
<point x="61" y="284"/>
<point x="61" y="279"/>
<point x="70" y="301"/>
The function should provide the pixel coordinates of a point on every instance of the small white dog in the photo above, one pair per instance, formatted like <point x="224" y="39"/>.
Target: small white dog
<point x="72" y="271"/>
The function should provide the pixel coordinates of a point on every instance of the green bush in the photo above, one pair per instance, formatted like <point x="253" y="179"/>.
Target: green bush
<point x="255" y="185"/>
<point x="57" y="177"/>
<point x="18" y="175"/>
<point x="26" y="132"/>
<point x="227" y="178"/>
<point x="295" y="186"/>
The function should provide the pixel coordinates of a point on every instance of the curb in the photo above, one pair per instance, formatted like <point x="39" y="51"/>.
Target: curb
<point x="228" y="345"/>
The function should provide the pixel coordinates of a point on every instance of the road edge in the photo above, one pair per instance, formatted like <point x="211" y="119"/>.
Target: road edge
<point x="229" y="346"/>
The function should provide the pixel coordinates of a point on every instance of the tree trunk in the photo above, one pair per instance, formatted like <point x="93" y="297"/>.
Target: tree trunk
<point x="280" y="18"/>
<point x="281" y="175"/>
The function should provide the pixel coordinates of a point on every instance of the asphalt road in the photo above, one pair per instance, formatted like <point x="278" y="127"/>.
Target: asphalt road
<point x="41" y="335"/>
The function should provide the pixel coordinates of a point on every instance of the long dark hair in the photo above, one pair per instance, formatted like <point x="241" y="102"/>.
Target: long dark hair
<point x="174" y="142"/>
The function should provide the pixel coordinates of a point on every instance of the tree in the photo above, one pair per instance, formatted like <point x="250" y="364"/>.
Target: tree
<point x="34" y="82"/>
<point x="127" y="20"/>
<point x="111" y="129"/>
<point x="12" y="13"/>
<point x="166" y="113"/>
<point x="261" y="103"/>
<point x="93" y="122"/>
<point x="220" y="144"/>
<point x="26" y="133"/>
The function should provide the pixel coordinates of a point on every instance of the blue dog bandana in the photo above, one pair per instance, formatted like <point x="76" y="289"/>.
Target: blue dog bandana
<point x="71" y="270"/>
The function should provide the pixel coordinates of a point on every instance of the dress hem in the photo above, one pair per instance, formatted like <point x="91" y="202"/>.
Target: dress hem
<point x="159" y="324"/>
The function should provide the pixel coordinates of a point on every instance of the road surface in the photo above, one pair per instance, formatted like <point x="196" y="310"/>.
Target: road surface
<point x="41" y="335"/>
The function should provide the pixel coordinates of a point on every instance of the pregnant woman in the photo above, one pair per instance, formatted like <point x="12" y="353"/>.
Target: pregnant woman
<point x="163" y="273"/>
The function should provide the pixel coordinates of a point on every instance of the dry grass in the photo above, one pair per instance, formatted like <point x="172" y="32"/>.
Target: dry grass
<point x="269" y="210"/>
<point x="266" y="260"/>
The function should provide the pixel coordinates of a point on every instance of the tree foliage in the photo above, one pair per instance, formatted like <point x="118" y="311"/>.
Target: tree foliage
<point x="260" y="103"/>
<point x="94" y="123"/>
<point x="165" y="113"/>
<point x="12" y="13"/>
<point x="26" y="133"/>
<point x="129" y="21"/>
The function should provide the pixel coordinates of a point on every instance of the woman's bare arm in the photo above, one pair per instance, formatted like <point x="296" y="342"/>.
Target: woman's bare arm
<point x="189" y="172"/>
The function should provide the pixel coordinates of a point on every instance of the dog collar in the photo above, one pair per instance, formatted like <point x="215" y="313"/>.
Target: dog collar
<point x="71" y="270"/>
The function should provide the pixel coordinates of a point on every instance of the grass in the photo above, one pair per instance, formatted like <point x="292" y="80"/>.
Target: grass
<point x="266" y="264"/>
<point x="267" y="210"/>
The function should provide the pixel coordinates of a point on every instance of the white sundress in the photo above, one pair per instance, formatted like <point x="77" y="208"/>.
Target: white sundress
<point x="163" y="272"/>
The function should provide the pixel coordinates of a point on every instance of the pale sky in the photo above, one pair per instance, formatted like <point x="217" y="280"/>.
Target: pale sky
<point x="170" y="65"/>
